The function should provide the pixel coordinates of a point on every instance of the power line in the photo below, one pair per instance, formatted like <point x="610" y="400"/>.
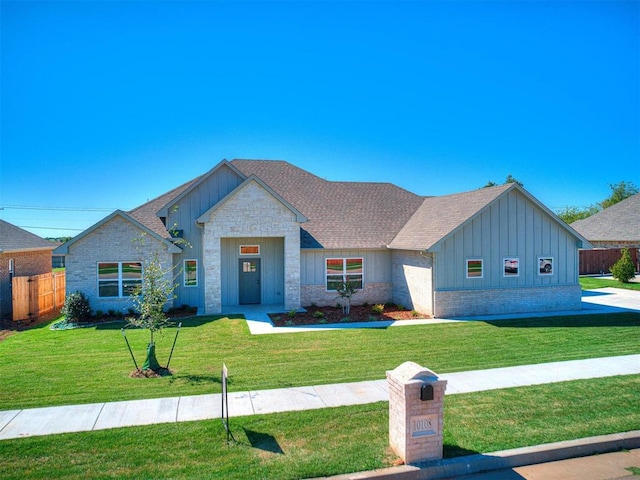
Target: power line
<point x="53" y="228"/>
<point x="66" y="209"/>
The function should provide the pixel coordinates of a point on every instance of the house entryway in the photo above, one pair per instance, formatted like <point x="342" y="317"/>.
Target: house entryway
<point x="249" y="281"/>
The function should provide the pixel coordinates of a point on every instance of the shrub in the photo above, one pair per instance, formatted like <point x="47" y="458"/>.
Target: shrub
<point x="76" y="307"/>
<point x="318" y="314"/>
<point x="623" y="269"/>
<point x="292" y="313"/>
<point x="378" y="308"/>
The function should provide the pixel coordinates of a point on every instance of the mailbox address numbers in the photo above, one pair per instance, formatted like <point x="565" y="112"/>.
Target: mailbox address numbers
<point x="424" y="425"/>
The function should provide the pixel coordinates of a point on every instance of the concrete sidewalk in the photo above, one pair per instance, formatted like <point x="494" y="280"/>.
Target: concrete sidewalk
<point x="99" y="416"/>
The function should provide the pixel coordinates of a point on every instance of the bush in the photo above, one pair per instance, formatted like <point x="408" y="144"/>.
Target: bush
<point x="378" y="308"/>
<point x="623" y="269"/>
<point x="76" y="307"/>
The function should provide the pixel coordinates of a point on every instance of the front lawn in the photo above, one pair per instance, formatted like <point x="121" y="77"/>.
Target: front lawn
<point x="592" y="283"/>
<point x="329" y="441"/>
<point x="40" y="367"/>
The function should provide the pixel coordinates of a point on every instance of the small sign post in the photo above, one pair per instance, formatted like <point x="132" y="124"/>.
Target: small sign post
<point x="225" y="403"/>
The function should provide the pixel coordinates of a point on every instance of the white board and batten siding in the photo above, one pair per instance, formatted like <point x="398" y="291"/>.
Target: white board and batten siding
<point x="513" y="227"/>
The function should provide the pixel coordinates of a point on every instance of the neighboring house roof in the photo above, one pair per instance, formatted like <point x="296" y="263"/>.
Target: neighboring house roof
<point x="619" y="222"/>
<point x="15" y="239"/>
<point x="339" y="214"/>
<point x="64" y="248"/>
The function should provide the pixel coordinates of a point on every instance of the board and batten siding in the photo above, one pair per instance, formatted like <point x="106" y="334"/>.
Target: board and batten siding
<point x="377" y="276"/>
<point x="181" y="216"/>
<point x="271" y="269"/>
<point x="512" y="227"/>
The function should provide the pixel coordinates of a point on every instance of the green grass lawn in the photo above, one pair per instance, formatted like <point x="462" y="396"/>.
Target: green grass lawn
<point x="329" y="441"/>
<point x="40" y="367"/>
<point x="590" y="283"/>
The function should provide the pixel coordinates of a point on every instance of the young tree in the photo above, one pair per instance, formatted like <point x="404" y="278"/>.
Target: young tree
<point x="347" y="290"/>
<point x="149" y="300"/>
<point x="623" y="270"/>
<point x="619" y="191"/>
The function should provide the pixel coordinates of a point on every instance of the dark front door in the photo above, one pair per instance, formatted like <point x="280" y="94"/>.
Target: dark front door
<point x="249" y="281"/>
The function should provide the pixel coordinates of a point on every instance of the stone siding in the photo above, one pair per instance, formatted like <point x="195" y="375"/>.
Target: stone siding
<point x="251" y="212"/>
<point x="115" y="241"/>
<point x="507" y="300"/>
<point x="412" y="280"/>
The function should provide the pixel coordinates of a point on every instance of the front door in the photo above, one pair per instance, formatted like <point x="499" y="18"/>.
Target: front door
<point x="249" y="281"/>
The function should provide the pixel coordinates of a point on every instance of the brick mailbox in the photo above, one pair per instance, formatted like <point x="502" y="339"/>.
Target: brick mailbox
<point x="416" y="413"/>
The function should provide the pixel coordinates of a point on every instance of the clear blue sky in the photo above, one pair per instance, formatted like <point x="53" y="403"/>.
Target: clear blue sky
<point x="107" y="104"/>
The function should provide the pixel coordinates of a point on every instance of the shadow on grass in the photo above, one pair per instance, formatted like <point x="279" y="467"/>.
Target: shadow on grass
<point x="263" y="441"/>
<point x="198" y="379"/>
<point x="626" y="319"/>
<point x="453" y="451"/>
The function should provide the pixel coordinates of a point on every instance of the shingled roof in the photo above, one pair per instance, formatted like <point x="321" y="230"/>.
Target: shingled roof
<point x="15" y="239"/>
<point x="618" y="223"/>
<point x="340" y="214"/>
<point x="439" y="216"/>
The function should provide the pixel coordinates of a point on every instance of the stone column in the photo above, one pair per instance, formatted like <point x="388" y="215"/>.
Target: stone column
<point x="416" y="413"/>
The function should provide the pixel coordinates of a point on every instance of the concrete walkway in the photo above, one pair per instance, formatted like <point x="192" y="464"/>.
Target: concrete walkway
<point x="99" y="416"/>
<point x="602" y="300"/>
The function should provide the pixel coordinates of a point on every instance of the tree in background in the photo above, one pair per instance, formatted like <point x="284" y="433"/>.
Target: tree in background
<point x="619" y="192"/>
<point x="510" y="179"/>
<point x="623" y="270"/>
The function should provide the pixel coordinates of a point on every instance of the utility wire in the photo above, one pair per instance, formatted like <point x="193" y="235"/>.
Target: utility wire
<point x="67" y="209"/>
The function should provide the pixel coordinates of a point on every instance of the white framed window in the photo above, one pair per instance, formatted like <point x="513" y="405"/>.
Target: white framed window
<point x="511" y="267"/>
<point x="118" y="279"/>
<point x="249" y="249"/>
<point x="190" y="273"/>
<point x="545" y="265"/>
<point x="340" y="270"/>
<point x="474" y="268"/>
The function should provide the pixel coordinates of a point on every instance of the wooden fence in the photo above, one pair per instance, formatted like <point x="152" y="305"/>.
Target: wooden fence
<point x="37" y="295"/>
<point x="599" y="260"/>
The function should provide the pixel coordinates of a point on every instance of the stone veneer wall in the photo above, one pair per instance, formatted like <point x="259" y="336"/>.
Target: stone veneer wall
<point x="412" y="280"/>
<point x="115" y="241"/>
<point x="251" y="212"/>
<point x="507" y="300"/>
<point x="372" y="293"/>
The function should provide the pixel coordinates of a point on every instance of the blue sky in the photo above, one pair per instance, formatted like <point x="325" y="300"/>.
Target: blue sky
<point x="108" y="104"/>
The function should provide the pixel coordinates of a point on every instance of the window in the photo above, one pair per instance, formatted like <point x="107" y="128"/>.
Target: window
<point x="546" y="265"/>
<point x="190" y="273"/>
<point x="511" y="267"/>
<point x="118" y="279"/>
<point x="340" y="270"/>
<point x="474" y="268"/>
<point x="249" y="249"/>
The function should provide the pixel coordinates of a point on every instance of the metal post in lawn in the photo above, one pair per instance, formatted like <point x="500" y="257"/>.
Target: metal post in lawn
<point x="225" y="404"/>
<point x="130" y="351"/>
<point x="174" y="344"/>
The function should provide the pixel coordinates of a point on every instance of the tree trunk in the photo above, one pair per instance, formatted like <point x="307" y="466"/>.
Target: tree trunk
<point x="151" y="362"/>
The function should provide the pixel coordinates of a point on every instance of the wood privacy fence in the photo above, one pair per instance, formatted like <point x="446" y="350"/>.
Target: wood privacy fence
<point x="37" y="295"/>
<point x="599" y="260"/>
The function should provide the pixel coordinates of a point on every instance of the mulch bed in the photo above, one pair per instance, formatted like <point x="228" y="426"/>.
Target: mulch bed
<point x="358" y="314"/>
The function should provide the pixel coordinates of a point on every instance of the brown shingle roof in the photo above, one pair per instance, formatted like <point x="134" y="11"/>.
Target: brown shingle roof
<point x="439" y="216"/>
<point x="619" y="222"/>
<point x="340" y="214"/>
<point x="14" y="238"/>
<point x="147" y="213"/>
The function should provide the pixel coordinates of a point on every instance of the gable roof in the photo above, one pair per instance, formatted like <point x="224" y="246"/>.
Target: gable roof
<point x="339" y="214"/>
<point x="619" y="222"/>
<point x="205" y="216"/>
<point x="439" y="217"/>
<point x="16" y="239"/>
<point x="64" y="248"/>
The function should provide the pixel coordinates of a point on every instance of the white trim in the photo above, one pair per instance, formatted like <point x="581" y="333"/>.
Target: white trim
<point x="252" y="254"/>
<point x="551" y="261"/>
<point x="344" y="269"/>
<point x="184" y="270"/>
<point x="466" y="263"/>
<point x="119" y="279"/>
<point x="504" y="271"/>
